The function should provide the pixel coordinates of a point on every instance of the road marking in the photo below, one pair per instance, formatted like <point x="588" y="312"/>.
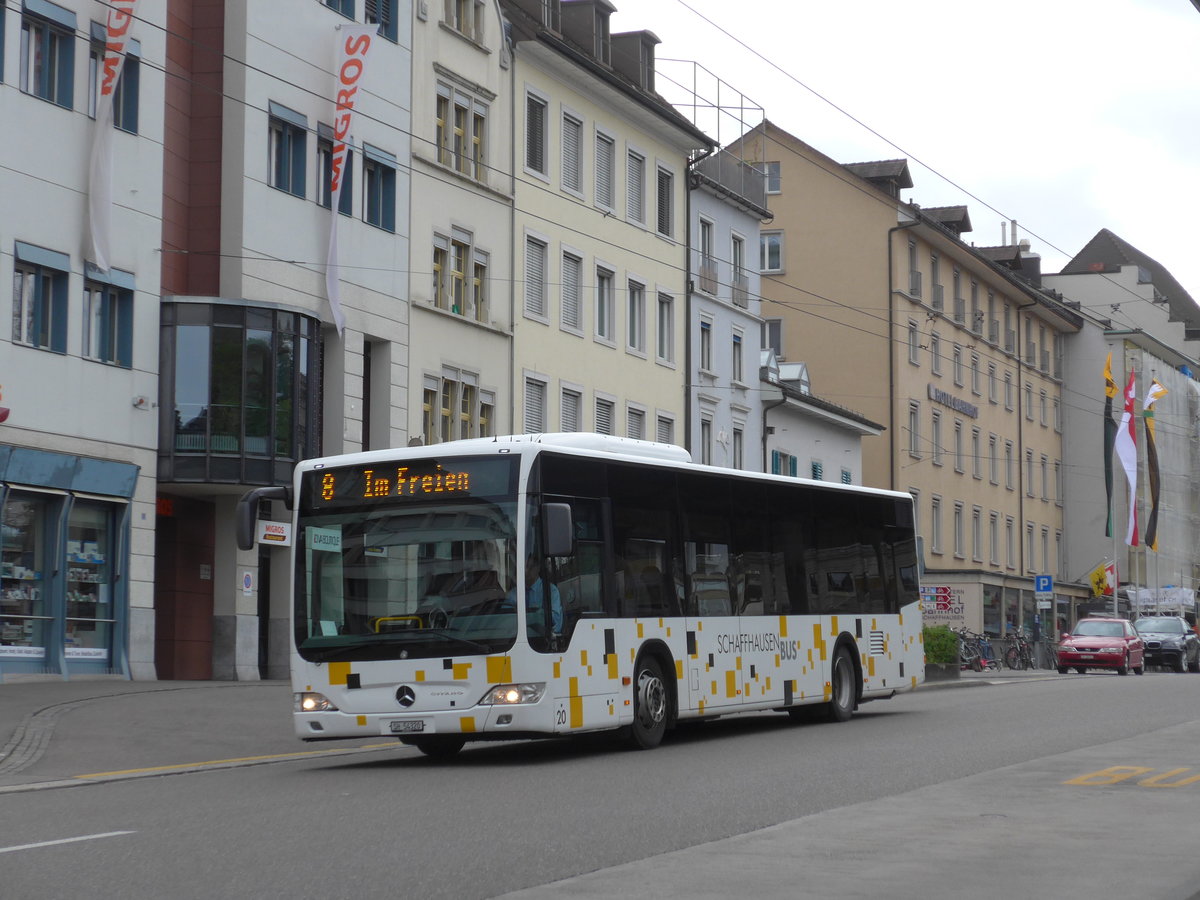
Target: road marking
<point x="238" y="760"/>
<point x="86" y="837"/>
<point x="1117" y="774"/>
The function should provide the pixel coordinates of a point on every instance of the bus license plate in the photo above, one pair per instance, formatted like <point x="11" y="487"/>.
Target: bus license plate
<point x="407" y="726"/>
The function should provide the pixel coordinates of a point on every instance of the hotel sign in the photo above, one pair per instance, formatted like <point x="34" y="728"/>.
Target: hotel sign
<point x="940" y="396"/>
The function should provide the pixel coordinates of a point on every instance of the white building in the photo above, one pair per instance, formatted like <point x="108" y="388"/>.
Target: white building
<point x="79" y="357"/>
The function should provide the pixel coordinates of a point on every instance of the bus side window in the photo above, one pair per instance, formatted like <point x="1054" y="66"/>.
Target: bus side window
<point x="752" y="562"/>
<point x="792" y="550"/>
<point x="645" y="541"/>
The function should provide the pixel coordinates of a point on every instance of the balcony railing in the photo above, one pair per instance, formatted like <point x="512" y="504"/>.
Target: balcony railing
<point x="939" y="297"/>
<point x="1010" y="341"/>
<point x="914" y="283"/>
<point x="708" y="276"/>
<point x="960" y="310"/>
<point x="741" y="291"/>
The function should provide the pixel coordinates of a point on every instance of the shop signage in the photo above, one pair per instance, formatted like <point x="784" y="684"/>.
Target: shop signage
<point x="943" y="605"/>
<point x="956" y="403"/>
<point x="278" y="533"/>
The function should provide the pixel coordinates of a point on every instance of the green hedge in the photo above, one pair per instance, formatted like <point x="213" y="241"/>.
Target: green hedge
<point x="941" y="644"/>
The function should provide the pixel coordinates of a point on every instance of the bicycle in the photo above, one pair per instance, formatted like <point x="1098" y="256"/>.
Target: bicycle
<point x="1019" y="654"/>
<point x="969" y="654"/>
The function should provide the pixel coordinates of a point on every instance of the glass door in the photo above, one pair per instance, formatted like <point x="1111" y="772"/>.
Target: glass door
<point x="90" y="609"/>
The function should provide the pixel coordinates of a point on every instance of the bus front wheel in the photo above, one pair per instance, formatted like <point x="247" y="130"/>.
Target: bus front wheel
<point x="841" y="677"/>
<point x="651" y="705"/>
<point x="438" y="748"/>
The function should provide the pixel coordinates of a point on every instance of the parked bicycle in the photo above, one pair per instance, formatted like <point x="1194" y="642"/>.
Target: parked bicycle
<point x="975" y="651"/>
<point x="1019" y="652"/>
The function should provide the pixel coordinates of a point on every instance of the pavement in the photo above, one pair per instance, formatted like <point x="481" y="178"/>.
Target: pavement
<point x="57" y="734"/>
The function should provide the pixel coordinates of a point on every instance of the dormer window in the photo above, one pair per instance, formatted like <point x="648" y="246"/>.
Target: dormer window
<point x="466" y="17"/>
<point x="603" y="47"/>
<point x="552" y="14"/>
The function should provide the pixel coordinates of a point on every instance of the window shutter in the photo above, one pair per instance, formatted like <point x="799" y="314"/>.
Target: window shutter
<point x="635" y="180"/>
<point x="571" y="276"/>
<point x="605" y="163"/>
<point x="535" y="396"/>
<point x="572" y="138"/>
<point x="535" y="131"/>
<point x="792" y="466"/>
<point x="570" y="411"/>
<point x="775" y="468"/>
<point x="664" y="202"/>
<point x="664" y="431"/>
<point x="535" y="277"/>
<point x="636" y="424"/>
<point x="604" y="417"/>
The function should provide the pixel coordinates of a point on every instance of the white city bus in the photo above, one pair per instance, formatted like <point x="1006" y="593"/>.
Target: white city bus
<point x="559" y="584"/>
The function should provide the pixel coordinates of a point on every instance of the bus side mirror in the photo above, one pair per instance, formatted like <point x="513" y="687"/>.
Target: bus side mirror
<point x="558" y="530"/>
<point x="247" y="511"/>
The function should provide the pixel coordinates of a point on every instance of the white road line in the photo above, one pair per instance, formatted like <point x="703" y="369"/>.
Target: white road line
<point x="86" y="837"/>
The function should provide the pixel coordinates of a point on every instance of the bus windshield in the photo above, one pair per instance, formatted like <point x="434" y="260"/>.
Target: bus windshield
<point x="392" y="571"/>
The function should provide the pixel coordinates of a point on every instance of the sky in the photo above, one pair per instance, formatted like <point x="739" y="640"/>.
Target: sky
<point x="1066" y="115"/>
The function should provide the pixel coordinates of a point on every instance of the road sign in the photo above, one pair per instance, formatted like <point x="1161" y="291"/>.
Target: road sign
<point x="1043" y="587"/>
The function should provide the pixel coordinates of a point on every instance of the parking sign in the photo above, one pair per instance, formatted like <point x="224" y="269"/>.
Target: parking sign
<point x="1043" y="587"/>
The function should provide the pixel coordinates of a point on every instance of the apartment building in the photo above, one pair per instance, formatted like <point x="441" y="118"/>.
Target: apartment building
<point x="1139" y="313"/>
<point x="255" y="373"/>
<point x="79" y="361"/>
<point x="600" y="230"/>
<point x="460" y="353"/>
<point x="942" y="343"/>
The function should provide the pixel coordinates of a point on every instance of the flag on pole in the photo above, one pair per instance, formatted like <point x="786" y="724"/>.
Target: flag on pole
<point x="116" y="37"/>
<point x="1126" y="448"/>
<point x="1152" y="395"/>
<point x="353" y="42"/>
<point x="1110" y="436"/>
<point x="1102" y="584"/>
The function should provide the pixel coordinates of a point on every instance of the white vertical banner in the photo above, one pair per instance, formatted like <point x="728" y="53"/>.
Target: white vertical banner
<point x="353" y="44"/>
<point x="116" y="37"/>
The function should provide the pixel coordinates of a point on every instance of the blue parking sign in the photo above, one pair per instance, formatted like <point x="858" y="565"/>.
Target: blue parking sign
<point x="1043" y="584"/>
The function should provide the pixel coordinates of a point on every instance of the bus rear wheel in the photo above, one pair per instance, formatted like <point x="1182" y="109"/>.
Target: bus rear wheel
<point x="651" y="705"/>
<point x="841" y="678"/>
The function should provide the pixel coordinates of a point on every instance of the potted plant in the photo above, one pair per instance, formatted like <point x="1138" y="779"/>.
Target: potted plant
<point x="941" y="653"/>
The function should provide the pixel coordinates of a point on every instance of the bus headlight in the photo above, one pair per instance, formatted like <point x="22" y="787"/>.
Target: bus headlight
<point x="510" y="694"/>
<point x="310" y="701"/>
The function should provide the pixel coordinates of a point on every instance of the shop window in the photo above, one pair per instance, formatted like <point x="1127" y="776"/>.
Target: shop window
<point x="28" y="524"/>
<point x="90" y="603"/>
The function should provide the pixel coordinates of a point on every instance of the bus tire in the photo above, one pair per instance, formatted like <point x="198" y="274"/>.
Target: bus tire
<point x="441" y="748"/>
<point x="651" y="704"/>
<point x="842" y="679"/>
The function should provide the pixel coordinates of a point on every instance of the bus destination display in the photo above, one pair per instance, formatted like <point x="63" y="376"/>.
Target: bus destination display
<point x="406" y="481"/>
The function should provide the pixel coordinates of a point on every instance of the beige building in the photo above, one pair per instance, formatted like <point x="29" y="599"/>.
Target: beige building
<point x="461" y="224"/>
<point x="950" y="346"/>
<point x="600" y="229"/>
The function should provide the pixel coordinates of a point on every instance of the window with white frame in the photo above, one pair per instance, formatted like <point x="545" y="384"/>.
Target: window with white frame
<point x="772" y="173"/>
<point x="1057" y="414"/>
<point x="635" y="424"/>
<point x="993" y="459"/>
<point x="635" y="316"/>
<point x="606" y="164"/>
<point x="992" y="382"/>
<point x="1030" y="549"/>
<point x="605" y="306"/>
<point x="976" y="454"/>
<point x="706" y="345"/>
<point x="1045" y="409"/>
<point x="535" y="277"/>
<point x="706" y="441"/>
<point x="1058" y="481"/>
<point x="1010" y="542"/>
<point x="535" y="134"/>
<point x="108" y="319"/>
<point x="958" y="446"/>
<point x="39" y="314"/>
<point x="465" y="17"/>
<point x="460" y="275"/>
<point x="1028" y="473"/>
<point x="770" y="252"/>
<point x="959" y="545"/>
<point x="461" y="131"/>
<point x="977" y="534"/>
<point x="736" y="357"/>
<point x="665" y="348"/>
<point x="935" y="524"/>
<point x="572" y="408"/>
<point x="535" y="405"/>
<point x="1009" y="465"/>
<point x="1046" y="566"/>
<point x="975" y="374"/>
<point x="739" y="447"/>
<point x="708" y="262"/>
<point x="287" y="134"/>
<point x="772" y="336"/>
<point x="48" y="53"/>
<point x="994" y="538"/>
<point x="1029" y="401"/>
<point x="635" y="187"/>
<point x="935" y="436"/>
<point x="935" y="353"/>
<point x="741" y="281"/>
<point x="572" y="293"/>
<point x="605" y="415"/>
<point x="1045" y="469"/>
<point x="914" y="343"/>
<point x="665" y="194"/>
<point x="914" y="430"/>
<point x="958" y="365"/>
<point x="1008" y="390"/>
<point x="455" y="408"/>
<point x="572" y="154"/>
<point x="125" y="93"/>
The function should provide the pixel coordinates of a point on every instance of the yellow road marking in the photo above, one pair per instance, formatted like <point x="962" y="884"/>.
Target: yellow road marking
<point x="240" y="759"/>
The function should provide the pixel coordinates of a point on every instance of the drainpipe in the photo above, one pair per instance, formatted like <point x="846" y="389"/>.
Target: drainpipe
<point x="892" y="355"/>
<point x="766" y="409"/>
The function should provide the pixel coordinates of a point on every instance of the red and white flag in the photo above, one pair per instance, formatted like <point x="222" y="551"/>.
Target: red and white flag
<point x="353" y="43"/>
<point x="1126" y="447"/>
<point x="116" y="37"/>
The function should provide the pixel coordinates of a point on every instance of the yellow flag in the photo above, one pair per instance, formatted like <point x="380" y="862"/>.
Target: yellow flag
<point x="1099" y="580"/>
<point x="1110" y="386"/>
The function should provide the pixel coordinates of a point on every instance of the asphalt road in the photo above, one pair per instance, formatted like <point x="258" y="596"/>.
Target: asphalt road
<point x="984" y="792"/>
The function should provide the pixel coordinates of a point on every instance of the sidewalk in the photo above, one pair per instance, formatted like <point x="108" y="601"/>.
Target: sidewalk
<point x="1002" y="675"/>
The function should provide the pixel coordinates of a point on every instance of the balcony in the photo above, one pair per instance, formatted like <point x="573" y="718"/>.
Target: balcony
<point x="994" y="332"/>
<point x="735" y="178"/>
<point x="914" y="283"/>
<point x="939" y="297"/>
<point x="708" y="276"/>
<point x="1010" y="341"/>
<point x="960" y="310"/>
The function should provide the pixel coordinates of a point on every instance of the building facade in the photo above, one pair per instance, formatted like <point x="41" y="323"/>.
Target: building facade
<point x="79" y="362"/>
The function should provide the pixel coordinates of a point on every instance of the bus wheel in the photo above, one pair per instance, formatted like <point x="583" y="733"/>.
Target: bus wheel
<point x="841" y="677"/>
<point x="651" y="705"/>
<point x="438" y="748"/>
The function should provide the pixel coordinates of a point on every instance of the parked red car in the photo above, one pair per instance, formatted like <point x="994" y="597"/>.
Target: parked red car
<point x="1102" y="644"/>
